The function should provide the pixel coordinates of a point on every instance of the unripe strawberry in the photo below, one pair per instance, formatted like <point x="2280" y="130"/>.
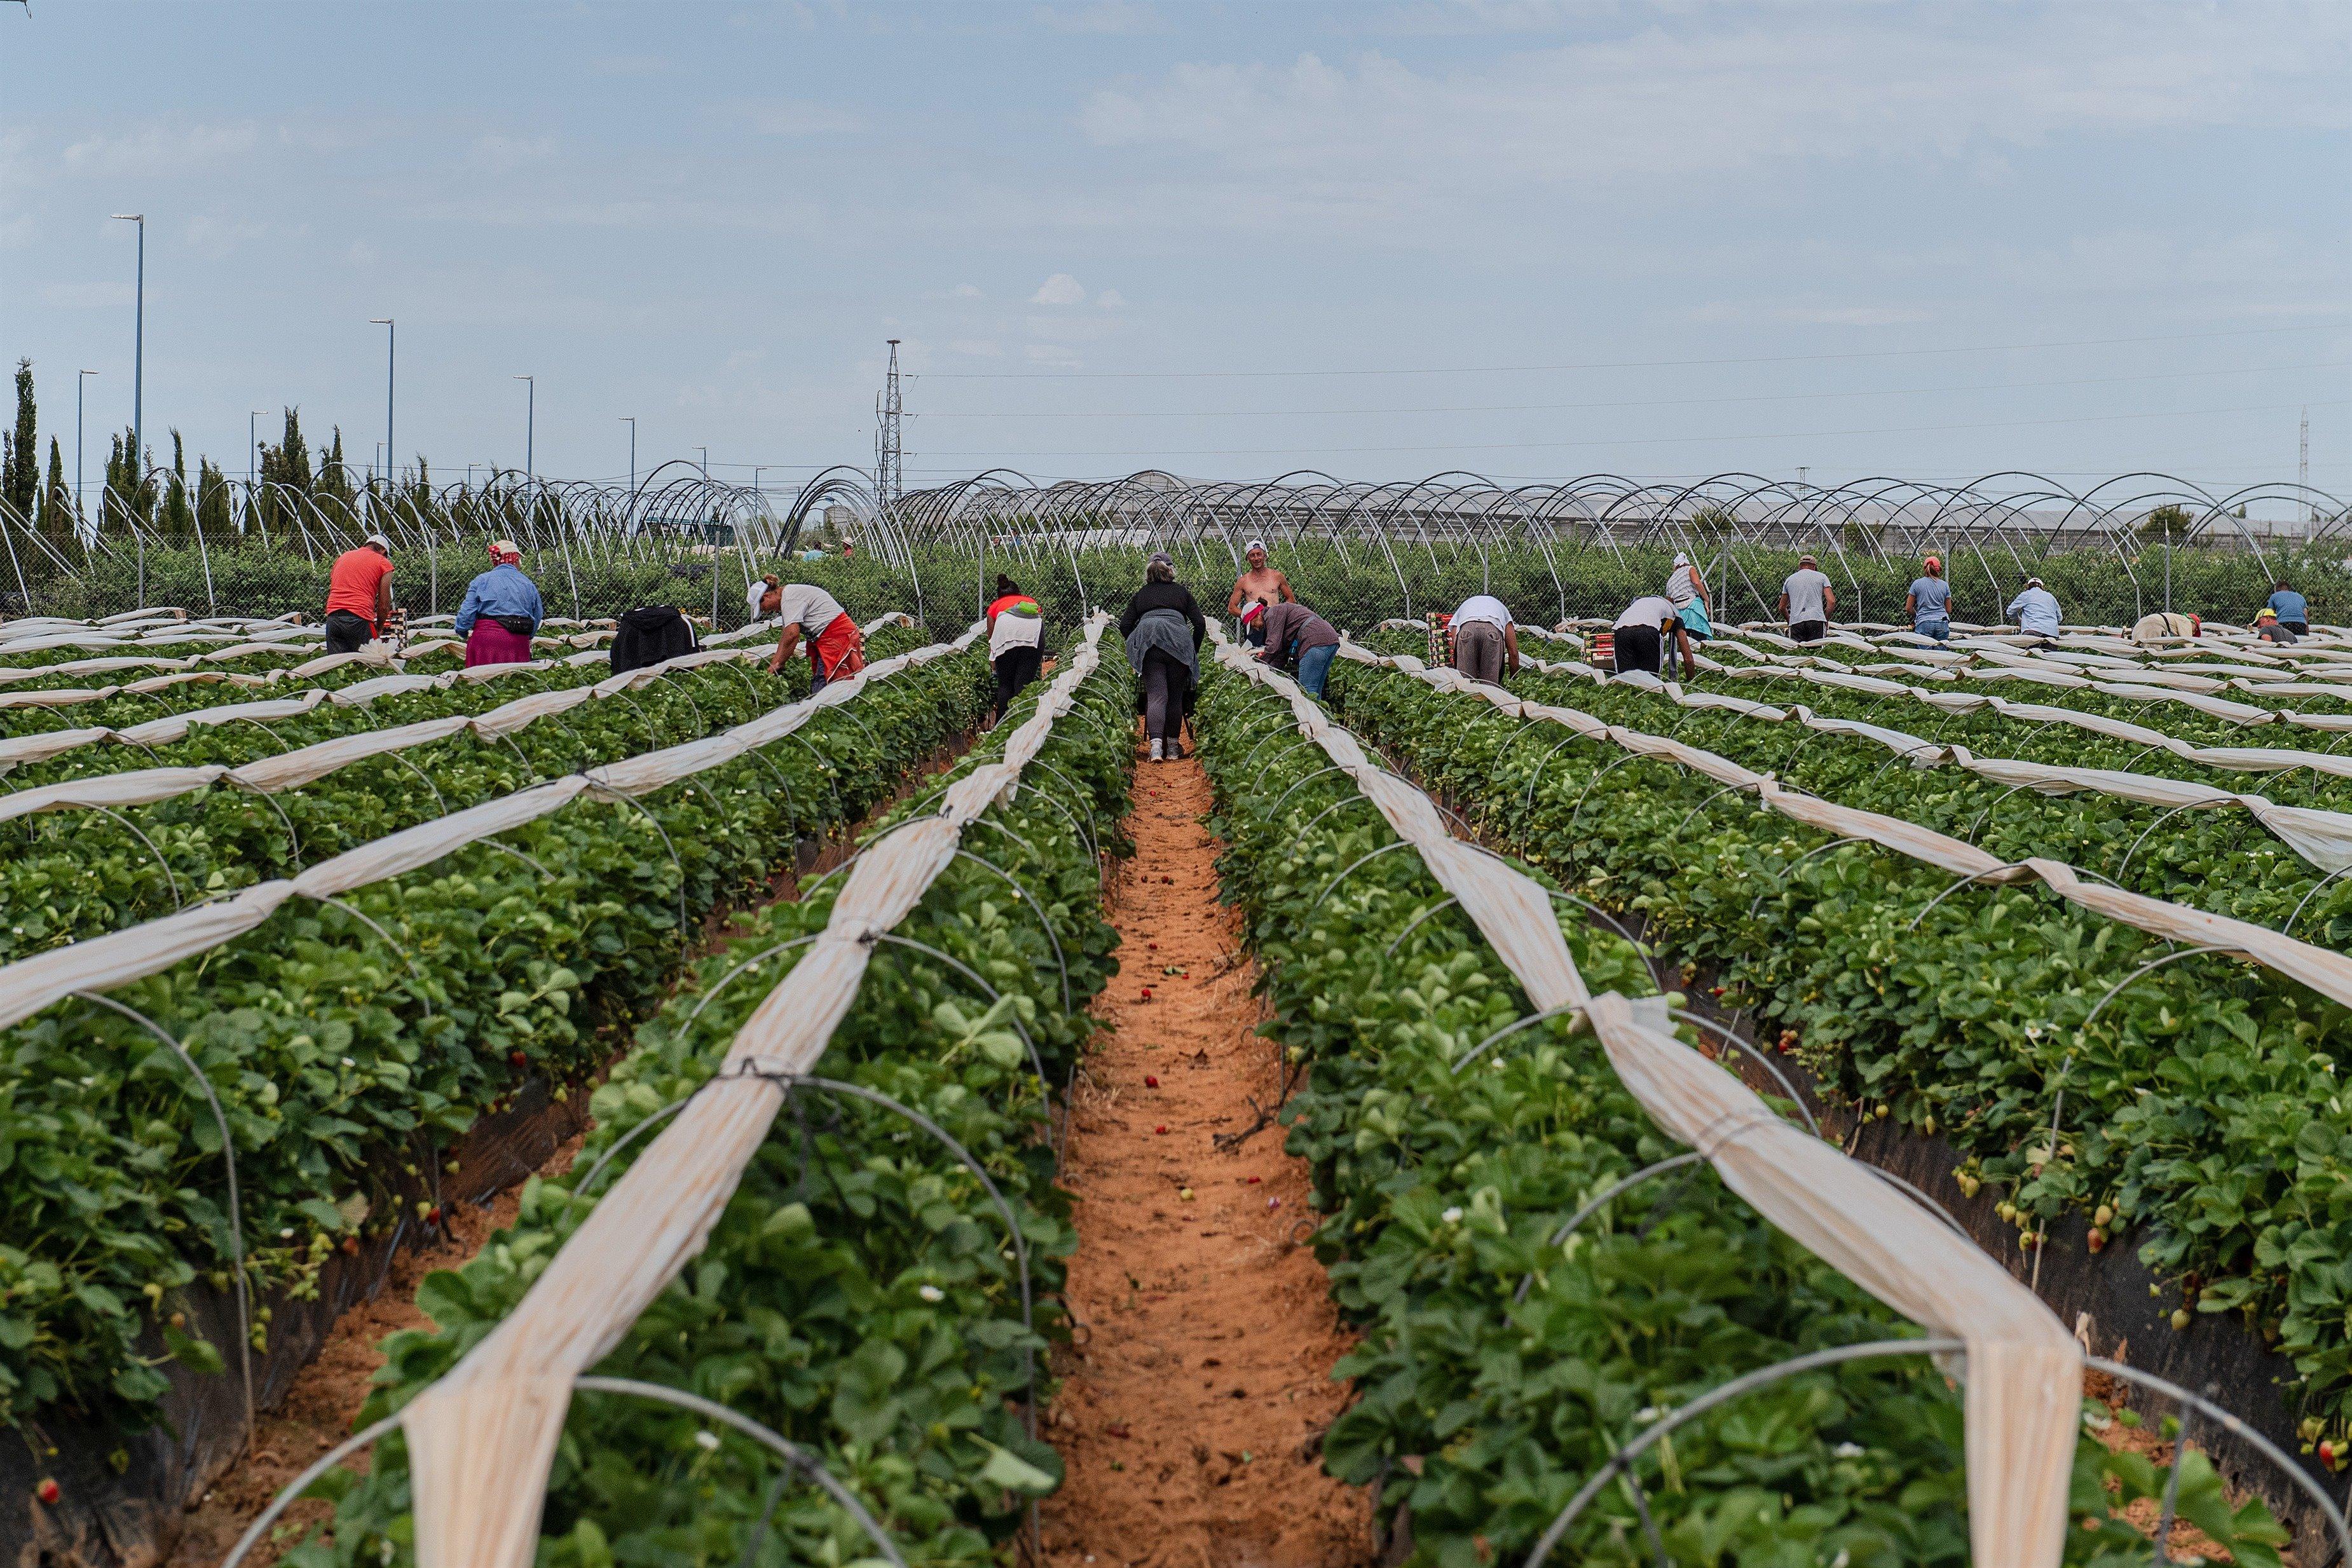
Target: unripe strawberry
<point x="2180" y="1317"/>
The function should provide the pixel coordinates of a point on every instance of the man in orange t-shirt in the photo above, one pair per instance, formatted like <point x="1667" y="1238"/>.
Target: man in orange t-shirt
<point x="359" y="595"/>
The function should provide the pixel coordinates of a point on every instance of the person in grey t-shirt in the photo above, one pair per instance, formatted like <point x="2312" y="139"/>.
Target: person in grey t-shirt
<point x="1929" y="603"/>
<point x="1807" y="600"/>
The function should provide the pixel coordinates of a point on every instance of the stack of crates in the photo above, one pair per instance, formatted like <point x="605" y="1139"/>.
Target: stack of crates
<point x="1441" y="639"/>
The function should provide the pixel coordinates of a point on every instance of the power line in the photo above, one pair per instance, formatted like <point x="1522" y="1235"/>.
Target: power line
<point x="1619" y="403"/>
<point x="1605" y="364"/>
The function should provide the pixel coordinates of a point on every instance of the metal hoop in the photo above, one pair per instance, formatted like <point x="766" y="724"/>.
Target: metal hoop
<point x="236" y="1215"/>
<point x="1719" y="1394"/>
<point x="1397" y="844"/>
<point x="2125" y="869"/>
<point x="1972" y="876"/>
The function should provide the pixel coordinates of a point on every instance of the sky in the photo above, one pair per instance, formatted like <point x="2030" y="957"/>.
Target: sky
<point x="1378" y="240"/>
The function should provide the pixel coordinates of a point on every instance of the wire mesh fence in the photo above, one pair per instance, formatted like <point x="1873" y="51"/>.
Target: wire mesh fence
<point x="1357" y="553"/>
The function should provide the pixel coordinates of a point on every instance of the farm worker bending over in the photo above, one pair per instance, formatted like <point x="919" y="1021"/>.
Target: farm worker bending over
<point x="1297" y="638"/>
<point x="1163" y="628"/>
<point x="1485" y="639"/>
<point x="1807" y="600"/>
<point x="835" y="647"/>
<point x="763" y="597"/>
<point x="2164" y="624"/>
<point x="1642" y="631"/>
<point x="2294" y="611"/>
<point x="1929" y="603"/>
<point x="1016" y="640"/>
<point x="1689" y="590"/>
<point x="1261" y="584"/>
<point x="500" y="610"/>
<point x="2036" y="610"/>
<point x="2270" y="629"/>
<point x="359" y="595"/>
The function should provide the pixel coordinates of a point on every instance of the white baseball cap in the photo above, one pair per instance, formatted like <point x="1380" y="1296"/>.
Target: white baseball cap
<point x="380" y="542"/>
<point x="1254" y="544"/>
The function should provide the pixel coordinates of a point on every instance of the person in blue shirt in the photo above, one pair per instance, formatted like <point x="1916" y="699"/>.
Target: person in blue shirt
<point x="2036" y="610"/>
<point x="500" y="610"/>
<point x="1929" y="603"/>
<point x="2293" y="610"/>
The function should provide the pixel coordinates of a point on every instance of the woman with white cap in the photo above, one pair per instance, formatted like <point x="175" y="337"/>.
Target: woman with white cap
<point x="1261" y="584"/>
<point x="500" y="610"/>
<point x="1686" y="591"/>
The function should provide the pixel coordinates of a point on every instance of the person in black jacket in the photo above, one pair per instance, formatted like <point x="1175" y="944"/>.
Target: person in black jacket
<point x="1155" y="626"/>
<point x="648" y="636"/>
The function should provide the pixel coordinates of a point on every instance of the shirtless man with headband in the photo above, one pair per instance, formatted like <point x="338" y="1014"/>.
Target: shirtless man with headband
<point x="1261" y="584"/>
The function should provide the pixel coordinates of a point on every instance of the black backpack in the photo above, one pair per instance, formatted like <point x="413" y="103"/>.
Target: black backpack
<point x="649" y="635"/>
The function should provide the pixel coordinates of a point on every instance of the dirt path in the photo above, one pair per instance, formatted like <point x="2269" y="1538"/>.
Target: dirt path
<point x="1192" y="1410"/>
<point x="318" y="1410"/>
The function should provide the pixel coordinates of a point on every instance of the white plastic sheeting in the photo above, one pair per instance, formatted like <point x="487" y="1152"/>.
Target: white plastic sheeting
<point x="2023" y="1391"/>
<point x="2323" y="838"/>
<point x="481" y="1439"/>
<point x="2329" y="973"/>
<point x="122" y="956"/>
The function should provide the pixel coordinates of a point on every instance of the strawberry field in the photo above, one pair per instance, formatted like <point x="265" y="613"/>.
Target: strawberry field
<point x="799" y="1297"/>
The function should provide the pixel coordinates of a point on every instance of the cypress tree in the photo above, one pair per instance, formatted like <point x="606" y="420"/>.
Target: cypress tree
<point x="58" y="518"/>
<point x="213" y="514"/>
<point x="130" y="493"/>
<point x="20" y="463"/>
<point x="179" y="517"/>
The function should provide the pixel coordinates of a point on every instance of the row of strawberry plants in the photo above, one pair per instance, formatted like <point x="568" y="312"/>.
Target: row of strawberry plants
<point x="81" y="873"/>
<point x="1483" y="1411"/>
<point x="860" y="1295"/>
<point x="2201" y="1112"/>
<point x="1989" y="733"/>
<point x="2217" y="860"/>
<point x="339" y="1057"/>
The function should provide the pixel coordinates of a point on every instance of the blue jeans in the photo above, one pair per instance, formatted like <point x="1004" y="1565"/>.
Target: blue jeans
<point x="1941" y="631"/>
<point x="1314" y="668"/>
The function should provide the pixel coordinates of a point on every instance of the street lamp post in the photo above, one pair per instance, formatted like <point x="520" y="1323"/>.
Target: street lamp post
<point x="139" y="355"/>
<point x="631" y="421"/>
<point x="79" y="381"/>
<point x="252" y="449"/>
<point x="706" y="460"/>
<point x="391" y="343"/>
<point x="530" y="423"/>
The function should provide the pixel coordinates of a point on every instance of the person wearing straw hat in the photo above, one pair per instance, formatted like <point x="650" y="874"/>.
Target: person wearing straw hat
<point x="500" y="610"/>
<point x="1688" y="590"/>
<point x="1261" y="584"/>
<point x="1929" y="602"/>
<point x="2036" y="609"/>
<point x="1807" y="600"/>
<point x="359" y="595"/>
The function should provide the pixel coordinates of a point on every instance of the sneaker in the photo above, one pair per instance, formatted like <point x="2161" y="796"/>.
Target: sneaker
<point x="1175" y="751"/>
<point x="1155" y="749"/>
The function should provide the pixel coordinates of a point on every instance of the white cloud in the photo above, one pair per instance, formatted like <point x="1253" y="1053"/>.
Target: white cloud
<point x="1735" y="97"/>
<point x="966" y="291"/>
<point x="1111" y="299"/>
<point x="156" y="150"/>
<point x="1059" y="289"/>
<point x="218" y="236"/>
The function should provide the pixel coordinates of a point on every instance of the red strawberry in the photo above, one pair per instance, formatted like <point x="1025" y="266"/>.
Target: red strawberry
<point x="1163" y="1128"/>
<point x="1149" y="1081"/>
<point x="433" y="1215"/>
<point x="49" y="1493"/>
<point x="351" y="1246"/>
<point x="519" y="1059"/>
